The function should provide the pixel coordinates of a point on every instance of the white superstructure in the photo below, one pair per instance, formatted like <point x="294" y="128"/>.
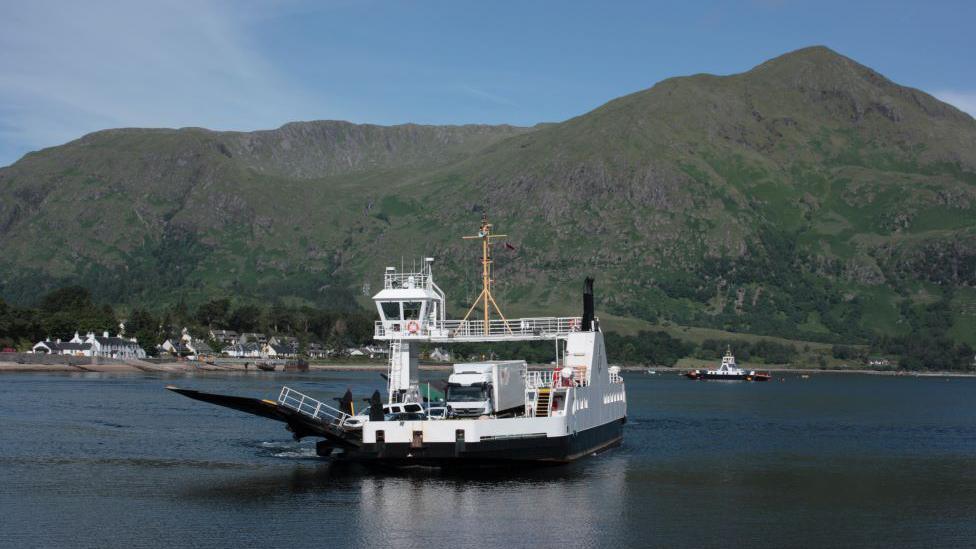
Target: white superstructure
<point x="728" y="366"/>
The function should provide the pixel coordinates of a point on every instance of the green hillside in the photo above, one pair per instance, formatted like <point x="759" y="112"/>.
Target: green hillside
<point x="808" y="198"/>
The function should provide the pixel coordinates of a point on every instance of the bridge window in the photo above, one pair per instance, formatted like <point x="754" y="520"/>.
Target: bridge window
<point x="391" y="310"/>
<point x="411" y="310"/>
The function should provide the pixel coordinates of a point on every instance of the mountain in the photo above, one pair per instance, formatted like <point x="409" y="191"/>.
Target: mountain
<point x="809" y="197"/>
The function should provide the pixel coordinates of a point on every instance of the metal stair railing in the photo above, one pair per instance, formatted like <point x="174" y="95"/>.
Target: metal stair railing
<point x="316" y="409"/>
<point x="396" y="366"/>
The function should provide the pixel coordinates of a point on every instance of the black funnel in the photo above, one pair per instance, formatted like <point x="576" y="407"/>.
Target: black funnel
<point x="588" y="304"/>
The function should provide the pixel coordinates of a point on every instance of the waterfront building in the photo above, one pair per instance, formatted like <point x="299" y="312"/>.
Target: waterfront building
<point x="225" y="337"/>
<point x="186" y="346"/>
<point x="276" y="350"/>
<point x="91" y="345"/>
<point x="316" y="350"/>
<point x="59" y="347"/>
<point x="242" y="350"/>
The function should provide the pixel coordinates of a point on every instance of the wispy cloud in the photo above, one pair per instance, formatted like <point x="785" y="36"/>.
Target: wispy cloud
<point x="962" y="100"/>
<point x="486" y="95"/>
<point x="69" y="68"/>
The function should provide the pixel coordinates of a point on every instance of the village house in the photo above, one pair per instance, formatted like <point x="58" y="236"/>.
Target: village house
<point x="98" y="346"/>
<point x="273" y="350"/>
<point x="187" y="346"/>
<point x="316" y="350"/>
<point x="242" y="350"/>
<point x="59" y="347"/>
<point x="225" y="337"/>
<point x="376" y="351"/>
<point x="113" y="347"/>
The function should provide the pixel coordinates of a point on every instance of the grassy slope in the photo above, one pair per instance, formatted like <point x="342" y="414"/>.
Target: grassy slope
<point x="675" y="197"/>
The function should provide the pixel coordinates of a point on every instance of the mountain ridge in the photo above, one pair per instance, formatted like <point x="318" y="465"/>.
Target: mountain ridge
<point x="720" y="201"/>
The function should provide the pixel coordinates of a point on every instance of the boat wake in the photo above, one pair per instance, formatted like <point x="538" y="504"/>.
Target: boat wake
<point x="289" y="450"/>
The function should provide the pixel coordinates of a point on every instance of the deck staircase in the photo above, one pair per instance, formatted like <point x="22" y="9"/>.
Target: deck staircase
<point x="542" y="402"/>
<point x="395" y="367"/>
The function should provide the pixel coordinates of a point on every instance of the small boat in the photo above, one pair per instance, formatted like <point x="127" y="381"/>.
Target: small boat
<point x="265" y="367"/>
<point x="651" y="372"/>
<point x="729" y="371"/>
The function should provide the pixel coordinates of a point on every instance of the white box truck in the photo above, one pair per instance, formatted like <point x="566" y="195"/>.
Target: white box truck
<point x="487" y="388"/>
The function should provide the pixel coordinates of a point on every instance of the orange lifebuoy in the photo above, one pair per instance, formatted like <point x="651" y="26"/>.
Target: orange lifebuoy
<point x="413" y="326"/>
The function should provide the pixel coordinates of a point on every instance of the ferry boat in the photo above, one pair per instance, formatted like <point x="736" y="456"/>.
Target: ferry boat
<point x="495" y="412"/>
<point x="729" y="371"/>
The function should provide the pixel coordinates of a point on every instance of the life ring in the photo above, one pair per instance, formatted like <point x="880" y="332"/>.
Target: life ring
<point x="413" y="326"/>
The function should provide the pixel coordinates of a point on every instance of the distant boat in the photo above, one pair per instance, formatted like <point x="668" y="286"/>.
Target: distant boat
<point x="729" y="371"/>
<point x="651" y="372"/>
<point x="264" y="366"/>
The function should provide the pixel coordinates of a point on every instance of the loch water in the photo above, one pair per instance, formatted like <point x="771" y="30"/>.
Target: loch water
<point x="97" y="460"/>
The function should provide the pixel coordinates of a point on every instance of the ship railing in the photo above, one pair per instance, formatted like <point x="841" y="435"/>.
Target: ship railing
<point x="546" y="378"/>
<point x="316" y="409"/>
<point x="474" y="329"/>
<point x="535" y="379"/>
<point x="616" y="378"/>
<point x="395" y="281"/>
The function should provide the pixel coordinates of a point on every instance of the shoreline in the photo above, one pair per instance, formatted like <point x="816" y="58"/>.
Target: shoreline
<point x="193" y="367"/>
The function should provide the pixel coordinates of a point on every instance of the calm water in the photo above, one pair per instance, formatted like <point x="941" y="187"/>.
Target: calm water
<point x="115" y="461"/>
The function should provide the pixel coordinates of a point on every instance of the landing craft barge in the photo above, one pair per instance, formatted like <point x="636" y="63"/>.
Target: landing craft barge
<point x="495" y="412"/>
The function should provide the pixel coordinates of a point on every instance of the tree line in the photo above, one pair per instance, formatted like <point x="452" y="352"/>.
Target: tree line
<point x="62" y="312"/>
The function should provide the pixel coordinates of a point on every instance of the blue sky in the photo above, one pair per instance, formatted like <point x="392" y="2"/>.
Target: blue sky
<point x="68" y="67"/>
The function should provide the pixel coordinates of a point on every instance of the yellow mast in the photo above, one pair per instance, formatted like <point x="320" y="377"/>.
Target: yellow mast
<point x="485" y="297"/>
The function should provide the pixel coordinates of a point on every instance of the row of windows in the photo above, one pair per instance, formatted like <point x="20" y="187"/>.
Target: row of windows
<point x="401" y="310"/>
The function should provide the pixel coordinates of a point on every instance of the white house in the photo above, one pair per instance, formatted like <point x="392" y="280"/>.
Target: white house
<point x="243" y="350"/>
<point x="187" y="345"/>
<point x="112" y="347"/>
<point x="273" y="350"/>
<point x="59" y="347"/>
<point x="376" y="351"/>
<point x="92" y="345"/>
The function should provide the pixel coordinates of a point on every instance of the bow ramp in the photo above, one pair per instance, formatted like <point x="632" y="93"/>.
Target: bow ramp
<point x="304" y="415"/>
